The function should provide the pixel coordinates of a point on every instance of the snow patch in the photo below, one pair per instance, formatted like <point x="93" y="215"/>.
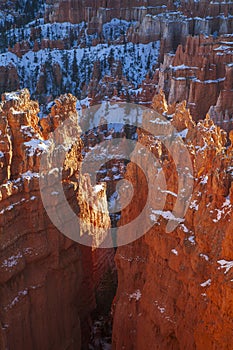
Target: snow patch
<point x="136" y="295"/>
<point x="194" y="205"/>
<point x="174" y="251"/>
<point x="168" y="215"/>
<point x="225" y="209"/>
<point x="204" y="180"/>
<point x="206" y="283"/>
<point x="204" y="256"/>
<point x="35" y="145"/>
<point x="192" y="239"/>
<point x="227" y="265"/>
<point x="17" y="299"/>
<point x="12" y="260"/>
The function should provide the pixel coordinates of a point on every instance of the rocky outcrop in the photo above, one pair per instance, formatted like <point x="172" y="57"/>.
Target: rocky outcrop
<point x="222" y="112"/>
<point x="175" y="289"/>
<point x="70" y="38"/>
<point x="48" y="283"/>
<point x="95" y="14"/>
<point x="200" y="73"/>
<point x="156" y="19"/>
<point x="205" y="8"/>
<point x="9" y="78"/>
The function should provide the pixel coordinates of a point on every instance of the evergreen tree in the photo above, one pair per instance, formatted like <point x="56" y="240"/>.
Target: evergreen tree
<point x="65" y="62"/>
<point x="35" y="58"/>
<point x="148" y="62"/>
<point x="22" y="34"/>
<point x="74" y="67"/>
<point x="48" y="32"/>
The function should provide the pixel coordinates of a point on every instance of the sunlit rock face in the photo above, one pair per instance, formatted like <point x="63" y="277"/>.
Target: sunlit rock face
<point x="200" y="73"/>
<point x="48" y="283"/>
<point x="175" y="289"/>
<point x="57" y="47"/>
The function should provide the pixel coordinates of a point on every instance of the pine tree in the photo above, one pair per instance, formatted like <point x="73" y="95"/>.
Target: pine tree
<point x="74" y="67"/>
<point x="48" y="32"/>
<point x="35" y="58"/>
<point x="148" y="62"/>
<point x="65" y="62"/>
<point x="22" y="34"/>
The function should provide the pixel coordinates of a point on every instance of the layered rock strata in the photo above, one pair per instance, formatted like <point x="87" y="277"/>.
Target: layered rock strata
<point x="104" y="37"/>
<point x="175" y="289"/>
<point x="48" y="283"/>
<point x="200" y="73"/>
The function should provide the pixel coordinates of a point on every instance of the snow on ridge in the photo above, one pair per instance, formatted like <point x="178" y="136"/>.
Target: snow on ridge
<point x="168" y="215"/>
<point x="224" y="264"/>
<point x="29" y="175"/>
<point x="9" y="96"/>
<point x="136" y="60"/>
<point x="169" y="192"/>
<point x="213" y="81"/>
<point x="19" y="296"/>
<point x="12" y="260"/>
<point x="184" y="228"/>
<point x="182" y="66"/>
<point x="36" y="145"/>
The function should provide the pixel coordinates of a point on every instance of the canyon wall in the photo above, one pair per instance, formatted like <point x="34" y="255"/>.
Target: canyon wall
<point x="48" y="283"/>
<point x="94" y="49"/>
<point x="192" y="16"/>
<point x="200" y="73"/>
<point x="175" y="289"/>
<point x="98" y="12"/>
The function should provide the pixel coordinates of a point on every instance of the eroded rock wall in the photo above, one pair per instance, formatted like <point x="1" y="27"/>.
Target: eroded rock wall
<point x="48" y="283"/>
<point x="175" y="289"/>
<point x="200" y="73"/>
<point x="100" y="12"/>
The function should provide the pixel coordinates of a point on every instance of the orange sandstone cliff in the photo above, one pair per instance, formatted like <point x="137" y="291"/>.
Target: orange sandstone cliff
<point x="200" y="72"/>
<point x="48" y="283"/>
<point x="175" y="290"/>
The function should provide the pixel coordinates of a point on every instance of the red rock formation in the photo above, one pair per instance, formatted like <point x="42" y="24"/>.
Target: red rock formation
<point x="222" y="112"/>
<point x="175" y="289"/>
<point x="204" y="8"/>
<point x="197" y="73"/>
<point x="47" y="282"/>
<point x="100" y="12"/>
<point x="192" y="18"/>
<point x="9" y="79"/>
<point x="20" y="48"/>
